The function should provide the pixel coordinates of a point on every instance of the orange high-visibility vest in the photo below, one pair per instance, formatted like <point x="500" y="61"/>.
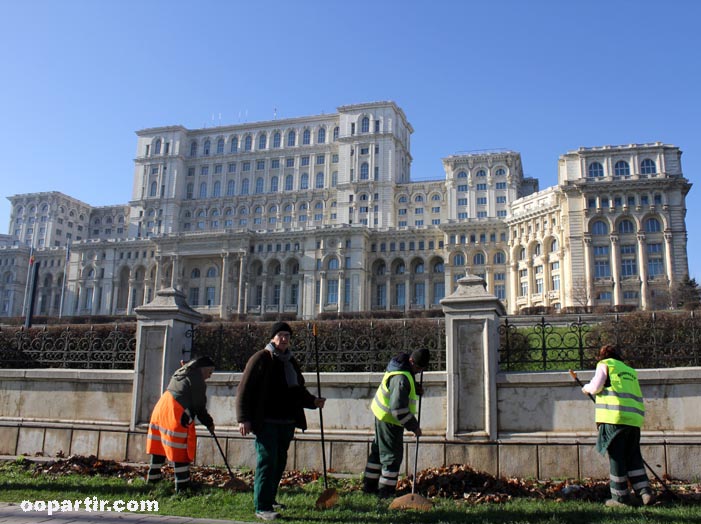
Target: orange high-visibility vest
<point x="167" y="436"/>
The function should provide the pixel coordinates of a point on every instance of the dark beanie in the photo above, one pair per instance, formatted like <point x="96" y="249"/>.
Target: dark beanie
<point x="203" y="362"/>
<point x="280" y="326"/>
<point x="421" y="357"/>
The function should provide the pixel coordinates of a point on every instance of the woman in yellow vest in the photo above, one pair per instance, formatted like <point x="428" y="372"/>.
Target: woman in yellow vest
<point x="395" y="409"/>
<point x="620" y="413"/>
<point x="171" y="431"/>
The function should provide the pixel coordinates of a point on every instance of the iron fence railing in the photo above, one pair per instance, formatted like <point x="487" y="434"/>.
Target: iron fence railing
<point x="647" y="340"/>
<point x="95" y="348"/>
<point x="343" y="346"/>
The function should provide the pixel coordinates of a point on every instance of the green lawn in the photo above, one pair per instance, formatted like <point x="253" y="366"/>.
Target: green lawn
<point x="20" y="483"/>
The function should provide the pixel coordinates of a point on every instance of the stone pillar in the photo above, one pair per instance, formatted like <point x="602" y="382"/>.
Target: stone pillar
<point x="224" y="309"/>
<point x="161" y="344"/>
<point x="472" y="324"/>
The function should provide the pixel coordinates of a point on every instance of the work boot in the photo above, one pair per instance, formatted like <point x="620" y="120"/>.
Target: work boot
<point x="648" y="498"/>
<point x="369" y="486"/>
<point x="385" y="492"/>
<point x="624" y="502"/>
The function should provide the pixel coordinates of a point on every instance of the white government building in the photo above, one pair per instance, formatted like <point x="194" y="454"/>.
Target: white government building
<point x="319" y="214"/>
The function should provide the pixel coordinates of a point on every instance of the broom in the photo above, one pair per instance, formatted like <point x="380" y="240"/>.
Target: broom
<point x="234" y="483"/>
<point x="413" y="500"/>
<point x="329" y="496"/>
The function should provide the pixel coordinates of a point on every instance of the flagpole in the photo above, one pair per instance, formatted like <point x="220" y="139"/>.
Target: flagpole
<point x="65" y="276"/>
<point x="29" y="276"/>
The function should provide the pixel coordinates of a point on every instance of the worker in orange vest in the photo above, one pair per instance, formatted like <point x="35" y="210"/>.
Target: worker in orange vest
<point x="171" y="431"/>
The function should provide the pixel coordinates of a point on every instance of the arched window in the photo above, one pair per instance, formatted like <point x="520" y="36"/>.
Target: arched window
<point x="333" y="264"/>
<point x="203" y="190"/>
<point x="157" y="147"/>
<point x="189" y="191"/>
<point x="217" y="189"/>
<point x="335" y="133"/>
<point x="481" y="173"/>
<point x="207" y="147"/>
<point x="596" y="170"/>
<point x="478" y="259"/>
<point x="220" y="146"/>
<point x="419" y="268"/>
<point x="193" y="148"/>
<point x="403" y="199"/>
<point x="259" y="185"/>
<point x="647" y="167"/>
<point x="462" y="174"/>
<point x="244" y="186"/>
<point x="304" y="181"/>
<point x="522" y="254"/>
<point x="291" y="138"/>
<point x="500" y="172"/>
<point x="626" y="226"/>
<point x="212" y="272"/>
<point x="652" y="225"/>
<point x="306" y="137"/>
<point x="276" y="140"/>
<point x="499" y="257"/>
<point x="262" y="141"/>
<point x="321" y="136"/>
<point x="621" y="168"/>
<point x="380" y="269"/>
<point x="152" y="192"/>
<point x="439" y="267"/>
<point x="554" y="245"/>
<point x="537" y="251"/>
<point x="459" y="260"/>
<point x="399" y="269"/>
<point x="248" y="143"/>
<point x="234" y="144"/>
<point x="274" y="185"/>
<point x="230" y="188"/>
<point x="195" y="273"/>
<point x="365" y="125"/>
<point x="599" y="228"/>
<point x="289" y="183"/>
<point x="418" y="198"/>
<point x="364" y="171"/>
<point x="319" y="184"/>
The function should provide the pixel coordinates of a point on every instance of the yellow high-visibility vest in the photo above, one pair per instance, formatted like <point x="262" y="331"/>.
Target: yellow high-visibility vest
<point x="380" y="404"/>
<point x="622" y="401"/>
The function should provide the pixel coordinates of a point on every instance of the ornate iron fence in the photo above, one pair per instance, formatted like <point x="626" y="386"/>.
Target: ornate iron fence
<point x="101" y="348"/>
<point x="648" y="340"/>
<point x="344" y="346"/>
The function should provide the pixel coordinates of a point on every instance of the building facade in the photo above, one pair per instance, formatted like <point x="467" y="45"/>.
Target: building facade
<point x="319" y="214"/>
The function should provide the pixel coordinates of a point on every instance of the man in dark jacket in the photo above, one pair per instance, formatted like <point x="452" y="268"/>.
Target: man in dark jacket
<point x="395" y="409"/>
<point x="270" y="403"/>
<point x="171" y="431"/>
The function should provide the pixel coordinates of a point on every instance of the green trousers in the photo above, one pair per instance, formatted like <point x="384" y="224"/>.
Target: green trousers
<point x="386" y="454"/>
<point x="272" y="443"/>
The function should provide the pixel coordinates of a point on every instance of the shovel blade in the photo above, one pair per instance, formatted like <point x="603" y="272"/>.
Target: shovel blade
<point x="327" y="499"/>
<point x="411" y="501"/>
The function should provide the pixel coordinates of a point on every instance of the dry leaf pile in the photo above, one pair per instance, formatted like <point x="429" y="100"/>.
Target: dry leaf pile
<point x="458" y="481"/>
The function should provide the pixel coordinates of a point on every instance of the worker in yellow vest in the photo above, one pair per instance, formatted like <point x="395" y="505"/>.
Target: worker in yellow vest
<point x="171" y="430"/>
<point x="620" y="413"/>
<point x="395" y="409"/>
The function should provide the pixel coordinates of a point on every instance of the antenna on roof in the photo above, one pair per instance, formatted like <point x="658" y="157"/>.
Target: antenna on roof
<point x="275" y="113"/>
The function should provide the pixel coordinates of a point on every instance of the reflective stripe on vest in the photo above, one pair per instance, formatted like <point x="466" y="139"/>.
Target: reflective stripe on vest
<point x="622" y="401"/>
<point x="380" y="404"/>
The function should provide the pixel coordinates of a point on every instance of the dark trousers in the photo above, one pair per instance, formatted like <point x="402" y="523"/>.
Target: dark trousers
<point x="626" y="463"/>
<point x="181" y="470"/>
<point x="386" y="454"/>
<point x="272" y="443"/>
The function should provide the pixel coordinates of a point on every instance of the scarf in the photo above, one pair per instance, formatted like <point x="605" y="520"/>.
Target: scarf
<point x="286" y="359"/>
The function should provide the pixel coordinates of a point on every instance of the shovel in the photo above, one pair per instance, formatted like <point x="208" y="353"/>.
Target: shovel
<point x="413" y="500"/>
<point x="329" y="496"/>
<point x="234" y="483"/>
<point x="573" y="374"/>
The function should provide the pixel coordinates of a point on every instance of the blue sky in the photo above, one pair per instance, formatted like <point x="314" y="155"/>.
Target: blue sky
<point x="539" y="77"/>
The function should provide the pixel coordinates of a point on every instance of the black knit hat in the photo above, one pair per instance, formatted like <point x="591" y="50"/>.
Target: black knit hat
<point x="202" y="362"/>
<point x="421" y="357"/>
<point x="280" y="326"/>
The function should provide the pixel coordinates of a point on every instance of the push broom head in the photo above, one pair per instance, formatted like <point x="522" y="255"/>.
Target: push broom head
<point x="327" y="499"/>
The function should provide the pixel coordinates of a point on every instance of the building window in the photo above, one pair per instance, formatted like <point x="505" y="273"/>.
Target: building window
<point x="652" y="225"/>
<point x="234" y="144"/>
<point x="647" y="167"/>
<point x="321" y="136"/>
<point x="626" y="226"/>
<point x="596" y="170"/>
<point x="248" y="143"/>
<point x="621" y="168"/>
<point x="365" y="125"/>
<point x="291" y="138"/>
<point x="262" y="141"/>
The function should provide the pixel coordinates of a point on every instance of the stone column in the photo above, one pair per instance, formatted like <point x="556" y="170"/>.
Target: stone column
<point x="242" y="266"/>
<point x="588" y="273"/>
<point x="472" y="324"/>
<point x="161" y="344"/>
<point x="223" y="295"/>
<point x="616" y="271"/>
<point x="669" y="261"/>
<point x="642" y="272"/>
